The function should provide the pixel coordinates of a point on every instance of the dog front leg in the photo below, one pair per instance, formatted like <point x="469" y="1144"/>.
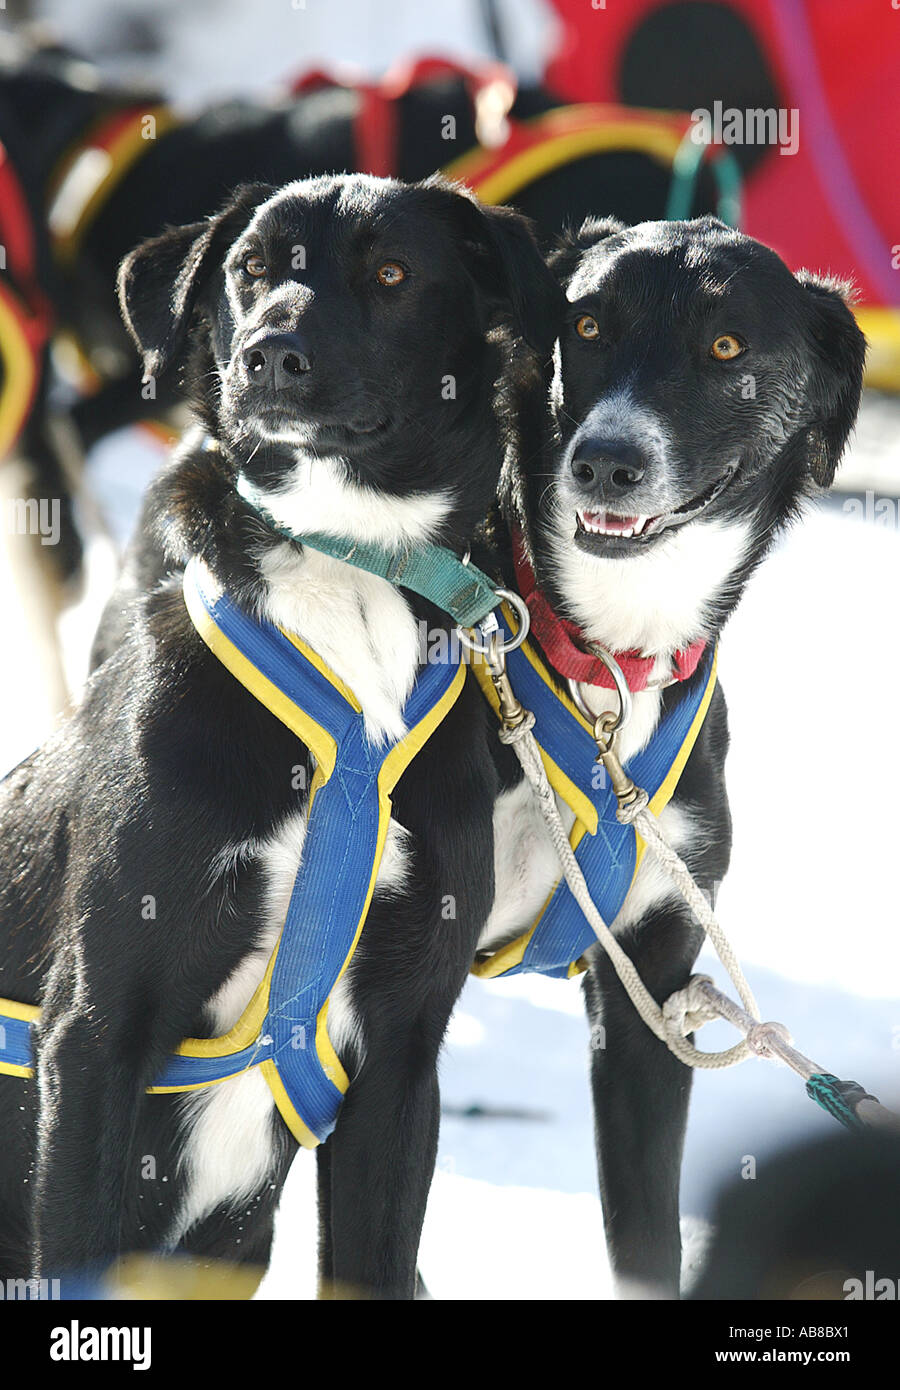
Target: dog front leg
<point x="323" y="1196"/>
<point x="640" y="1094"/>
<point x="382" y="1157"/>
<point x="89" y="1090"/>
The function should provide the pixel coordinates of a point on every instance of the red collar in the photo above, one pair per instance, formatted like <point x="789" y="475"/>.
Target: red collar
<point x="562" y="641"/>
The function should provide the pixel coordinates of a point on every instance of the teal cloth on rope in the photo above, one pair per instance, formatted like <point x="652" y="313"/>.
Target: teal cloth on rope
<point x="838" y="1097"/>
<point x="432" y="571"/>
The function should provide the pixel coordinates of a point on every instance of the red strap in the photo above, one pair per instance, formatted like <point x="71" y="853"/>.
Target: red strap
<point x="375" y="133"/>
<point x="407" y="74"/>
<point x="16" y="223"/>
<point x="561" y="639"/>
<point x="17" y="236"/>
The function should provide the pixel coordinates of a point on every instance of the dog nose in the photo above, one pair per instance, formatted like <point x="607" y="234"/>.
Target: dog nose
<point x="277" y="360"/>
<point x="611" y="465"/>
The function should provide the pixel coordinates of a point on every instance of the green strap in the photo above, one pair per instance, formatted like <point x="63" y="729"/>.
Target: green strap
<point x="457" y="588"/>
<point x="685" y="173"/>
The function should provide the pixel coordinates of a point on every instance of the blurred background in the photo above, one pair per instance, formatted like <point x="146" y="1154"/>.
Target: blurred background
<point x="115" y="119"/>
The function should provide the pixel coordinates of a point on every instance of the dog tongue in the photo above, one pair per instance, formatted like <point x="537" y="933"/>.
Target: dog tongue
<point x="610" y="522"/>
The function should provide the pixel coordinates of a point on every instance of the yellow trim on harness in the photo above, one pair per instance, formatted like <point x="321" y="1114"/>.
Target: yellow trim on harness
<point x="102" y="165"/>
<point x="882" y="329"/>
<point x="391" y="771"/>
<point x="311" y="733"/>
<point x="584" y="809"/>
<point x="512" y="953"/>
<point x="324" y="749"/>
<point x="497" y="185"/>
<point x="20" y="376"/>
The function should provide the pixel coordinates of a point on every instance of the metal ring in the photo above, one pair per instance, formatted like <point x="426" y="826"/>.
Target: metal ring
<point x="622" y="690"/>
<point x="518" y="604"/>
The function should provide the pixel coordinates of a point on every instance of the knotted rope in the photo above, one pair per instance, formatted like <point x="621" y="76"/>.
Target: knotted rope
<point x="699" y="1001"/>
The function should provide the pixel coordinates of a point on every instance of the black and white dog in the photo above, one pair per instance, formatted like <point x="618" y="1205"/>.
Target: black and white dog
<point x="701" y="393"/>
<point x="326" y="320"/>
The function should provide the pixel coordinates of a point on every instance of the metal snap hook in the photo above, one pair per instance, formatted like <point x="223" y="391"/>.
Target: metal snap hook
<point x="489" y="628"/>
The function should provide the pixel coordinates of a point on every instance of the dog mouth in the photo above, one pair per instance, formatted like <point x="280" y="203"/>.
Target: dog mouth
<point x="295" y="429"/>
<point x="614" y="531"/>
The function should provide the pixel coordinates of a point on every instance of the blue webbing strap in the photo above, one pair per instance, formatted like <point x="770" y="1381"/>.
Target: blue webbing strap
<point x="15" y="1041"/>
<point x="338" y="861"/>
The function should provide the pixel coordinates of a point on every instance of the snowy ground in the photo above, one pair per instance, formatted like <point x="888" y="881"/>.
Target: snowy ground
<point x="811" y="666"/>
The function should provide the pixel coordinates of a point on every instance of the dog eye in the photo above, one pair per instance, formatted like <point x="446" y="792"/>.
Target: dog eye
<point x="587" y="327"/>
<point x="726" y="347"/>
<point x="254" y="265"/>
<point x="390" y="273"/>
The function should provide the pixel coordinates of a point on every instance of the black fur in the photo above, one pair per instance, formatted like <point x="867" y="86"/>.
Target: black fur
<point x="661" y="294"/>
<point x="169" y="761"/>
<point x="817" y="1215"/>
<point x="187" y="172"/>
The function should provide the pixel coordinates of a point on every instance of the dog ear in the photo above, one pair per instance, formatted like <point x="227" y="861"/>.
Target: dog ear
<point x="528" y="284"/>
<point x="570" y="245"/>
<point x="506" y="261"/>
<point x="160" y="280"/>
<point x="839" y="356"/>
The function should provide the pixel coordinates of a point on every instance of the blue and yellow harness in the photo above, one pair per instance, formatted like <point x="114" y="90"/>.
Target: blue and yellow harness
<point x="283" y="1031"/>
<point x="608" y="852"/>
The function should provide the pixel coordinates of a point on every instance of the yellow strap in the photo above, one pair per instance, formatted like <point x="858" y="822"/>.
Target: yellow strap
<point x="19" y="374"/>
<point x="882" y="329"/>
<point x="655" y="137"/>
<point x="573" y="796"/>
<point x="88" y="174"/>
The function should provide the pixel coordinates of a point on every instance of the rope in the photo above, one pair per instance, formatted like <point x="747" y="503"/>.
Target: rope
<point x="683" y="1011"/>
<point x="700" y="1001"/>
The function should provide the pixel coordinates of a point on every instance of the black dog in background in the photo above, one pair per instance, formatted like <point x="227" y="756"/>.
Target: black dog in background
<point x="701" y="395"/>
<point x="321" y="385"/>
<point x="820" y="1220"/>
<point x="50" y="102"/>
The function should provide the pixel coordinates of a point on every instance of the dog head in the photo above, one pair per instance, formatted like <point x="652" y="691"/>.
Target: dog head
<point x="700" y="391"/>
<point x="352" y="330"/>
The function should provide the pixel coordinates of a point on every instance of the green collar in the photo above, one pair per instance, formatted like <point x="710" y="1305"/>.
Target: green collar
<point x="455" y="586"/>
